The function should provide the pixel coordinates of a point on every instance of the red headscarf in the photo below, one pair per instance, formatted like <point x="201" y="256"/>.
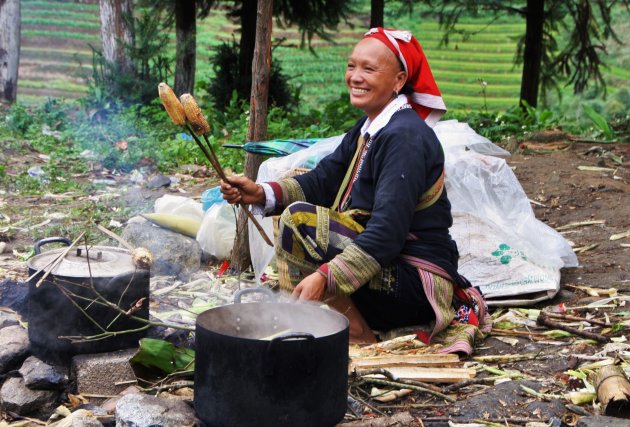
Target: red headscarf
<point x="426" y="99"/>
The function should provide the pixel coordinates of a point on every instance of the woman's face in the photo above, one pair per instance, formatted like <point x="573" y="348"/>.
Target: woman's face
<point x="372" y="75"/>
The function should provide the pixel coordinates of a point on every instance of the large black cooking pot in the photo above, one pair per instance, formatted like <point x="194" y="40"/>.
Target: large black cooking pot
<point x="66" y="304"/>
<point x="299" y="378"/>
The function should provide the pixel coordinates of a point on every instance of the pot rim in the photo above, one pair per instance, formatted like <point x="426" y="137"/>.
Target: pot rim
<point x="336" y="316"/>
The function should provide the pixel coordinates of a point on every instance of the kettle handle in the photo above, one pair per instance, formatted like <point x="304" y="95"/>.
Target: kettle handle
<point x="306" y="342"/>
<point x="259" y="290"/>
<point x="42" y="242"/>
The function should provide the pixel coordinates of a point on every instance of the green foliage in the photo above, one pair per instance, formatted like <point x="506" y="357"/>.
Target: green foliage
<point x="227" y="81"/>
<point x="111" y="83"/>
<point x="600" y="121"/>
<point x="164" y="356"/>
<point x="18" y="119"/>
<point x="516" y="121"/>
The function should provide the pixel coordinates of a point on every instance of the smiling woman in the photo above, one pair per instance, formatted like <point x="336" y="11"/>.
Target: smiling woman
<point x="367" y="229"/>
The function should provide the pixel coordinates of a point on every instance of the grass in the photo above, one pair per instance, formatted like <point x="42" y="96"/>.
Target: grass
<point x="458" y="67"/>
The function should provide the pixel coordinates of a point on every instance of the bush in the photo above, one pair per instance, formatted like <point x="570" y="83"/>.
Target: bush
<point x="227" y="81"/>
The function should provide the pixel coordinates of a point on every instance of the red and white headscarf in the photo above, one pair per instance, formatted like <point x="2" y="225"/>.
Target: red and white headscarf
<point x="426" y="99"/>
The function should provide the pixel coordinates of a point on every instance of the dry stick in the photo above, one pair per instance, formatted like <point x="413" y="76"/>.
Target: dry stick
<point x="576" y="318"/>
<point x="544" y="320"/>
<point x="172" y="386"/>
<point x="388" y="374"/>
<point x="372" y="407"/>
<point x="454" y="387"/>
<point x="57" y="261"/>
<point x="115" y="236"/>
<point x="398" y="384"/>
<point x="219" y="170"/>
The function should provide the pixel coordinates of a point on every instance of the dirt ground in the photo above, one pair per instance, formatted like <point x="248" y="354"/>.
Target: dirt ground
<point x="549" y="172"/>
<point x="580" y="186"/>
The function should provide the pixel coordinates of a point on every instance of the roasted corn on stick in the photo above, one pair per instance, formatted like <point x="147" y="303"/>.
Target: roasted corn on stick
<point x="173" y="106"/>
<point x="194" y="115"/>
<point x="196" y="123"/>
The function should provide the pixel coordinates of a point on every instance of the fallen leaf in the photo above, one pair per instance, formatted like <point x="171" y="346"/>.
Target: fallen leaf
<point x="580" y="224"/>
<point x="595" y="169"/>
<point x="620" y="235"/>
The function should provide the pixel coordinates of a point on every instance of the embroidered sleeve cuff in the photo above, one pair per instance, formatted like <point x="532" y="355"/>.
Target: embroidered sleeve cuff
<point x="350" y="270"/>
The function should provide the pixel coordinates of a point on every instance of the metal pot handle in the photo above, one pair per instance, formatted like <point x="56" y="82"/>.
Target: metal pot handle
<point x="273" y="349"/>
<point x="262" y="290"/>
<point x="42" y="242"/>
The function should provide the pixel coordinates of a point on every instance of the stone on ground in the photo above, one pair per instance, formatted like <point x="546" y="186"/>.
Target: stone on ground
<point x="14" y="345"/>
<point x="602" y="421"/>
<point x="173" y="253"/>
<point x="99" y="373"/>
<point x="42" y="376"/>
<point x="141" y="410"/>
<point x="8" y="319"/>
<point x="16" y="397"/>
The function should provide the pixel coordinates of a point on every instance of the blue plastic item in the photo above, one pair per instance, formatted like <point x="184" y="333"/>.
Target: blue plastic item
<point x="211" y="197"/>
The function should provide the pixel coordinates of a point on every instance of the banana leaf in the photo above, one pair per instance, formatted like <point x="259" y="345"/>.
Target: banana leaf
<point x="164" y="356"/>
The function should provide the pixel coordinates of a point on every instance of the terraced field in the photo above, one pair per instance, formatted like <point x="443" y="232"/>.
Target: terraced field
<point x="56" y="55"/>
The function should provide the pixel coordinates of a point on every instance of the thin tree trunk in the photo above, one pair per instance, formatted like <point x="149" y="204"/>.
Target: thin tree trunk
<point x="257" y="130"/>
<point x="186" y="34"/>
<point x="10" y="13"/>
<point x="532" y="55"/>
<point x="377" y="13"/>
<point x="246" y="47"/>
<point x="116" y="32"/>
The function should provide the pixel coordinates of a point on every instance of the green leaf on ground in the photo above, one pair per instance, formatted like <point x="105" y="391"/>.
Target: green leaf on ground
<point x="163" y="355"/>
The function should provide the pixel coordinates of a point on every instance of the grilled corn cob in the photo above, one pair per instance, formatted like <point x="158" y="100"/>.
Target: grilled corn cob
<point x="173" y="107"/>
<point x="194" y="115"/>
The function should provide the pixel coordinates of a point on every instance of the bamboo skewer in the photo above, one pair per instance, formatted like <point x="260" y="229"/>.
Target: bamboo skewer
<point x="185" y="112"/>
<point x="219" y="170"/>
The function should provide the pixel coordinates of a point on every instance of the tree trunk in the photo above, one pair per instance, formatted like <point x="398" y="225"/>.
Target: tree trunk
<point x="377" y="12"/>
<point x="257" y="130"/>
<point x="116" y="32"/>
<point x="186" y="34"/>
<point x="532" y="55"/>
<point x="10" y="13"/>
<point x="246" y="47"/>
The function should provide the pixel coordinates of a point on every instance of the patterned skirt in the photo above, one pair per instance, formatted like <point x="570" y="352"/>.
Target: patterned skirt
<point x="409" y="292"/>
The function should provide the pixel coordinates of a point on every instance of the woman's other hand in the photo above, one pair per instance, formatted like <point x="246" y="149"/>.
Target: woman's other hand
<point x="240" y="189"/>
<point x="311" y="288"/>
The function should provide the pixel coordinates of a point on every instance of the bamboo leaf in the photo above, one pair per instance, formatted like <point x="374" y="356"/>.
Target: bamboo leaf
<point x="599" y="120"/>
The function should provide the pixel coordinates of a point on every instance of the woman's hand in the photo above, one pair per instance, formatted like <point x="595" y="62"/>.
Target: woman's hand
<point x="240" y="189"/>
<point x="311" y="288"/>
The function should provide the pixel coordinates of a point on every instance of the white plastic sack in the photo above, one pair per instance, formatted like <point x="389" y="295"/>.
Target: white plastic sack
<point x="217" y="231"/>
<point x="504" y="249"/>
<point x="178" y="205"/>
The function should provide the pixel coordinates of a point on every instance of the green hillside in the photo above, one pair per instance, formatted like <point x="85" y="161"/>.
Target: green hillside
<point x="56" y="56"/>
